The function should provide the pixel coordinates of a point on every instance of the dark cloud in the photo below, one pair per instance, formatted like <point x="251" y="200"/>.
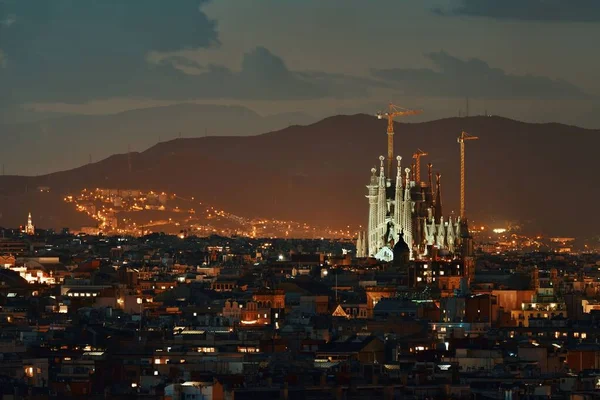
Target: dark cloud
<point x="530" y="10"/>
<point x="262" y="76"/>
<point x="76" y="49"/>
<point x="455" y="77"/>
<point x="81" y="50"/>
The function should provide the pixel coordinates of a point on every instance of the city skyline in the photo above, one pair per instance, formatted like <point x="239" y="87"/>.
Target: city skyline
<point x="302" y="199"/>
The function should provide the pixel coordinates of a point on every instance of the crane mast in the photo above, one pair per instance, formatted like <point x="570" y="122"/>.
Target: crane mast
<point x="417" y="156"/>
<point x="393" y="111"/>
<point x="461" y="140"/>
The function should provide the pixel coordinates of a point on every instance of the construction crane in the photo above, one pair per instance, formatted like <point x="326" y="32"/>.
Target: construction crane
<point x="461" y="140"/>
<point x="417" y="156"/>
<point x="393" y="111"/>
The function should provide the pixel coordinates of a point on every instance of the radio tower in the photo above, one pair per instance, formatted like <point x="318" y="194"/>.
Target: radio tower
<point x="461" y="140"/>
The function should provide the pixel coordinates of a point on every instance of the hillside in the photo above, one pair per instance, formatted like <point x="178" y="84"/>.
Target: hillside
<point x="317" y="173"/>
<point x="45" y="142"/>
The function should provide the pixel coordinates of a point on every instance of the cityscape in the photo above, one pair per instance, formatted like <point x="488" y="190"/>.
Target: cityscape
<point x="333" y="246"/>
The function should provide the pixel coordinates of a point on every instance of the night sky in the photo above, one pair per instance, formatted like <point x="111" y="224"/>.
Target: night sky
<point x="533" y="60"/>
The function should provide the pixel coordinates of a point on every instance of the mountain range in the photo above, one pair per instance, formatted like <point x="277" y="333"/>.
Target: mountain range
<point x="540" y="175"/>
<point x="68" y="141"/>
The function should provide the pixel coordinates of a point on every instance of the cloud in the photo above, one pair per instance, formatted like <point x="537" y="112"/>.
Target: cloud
<point x="454" y="77"/>
<point x="529" y="10"/>
<point x="76" y="50"/>
<point x="262" y="76"/>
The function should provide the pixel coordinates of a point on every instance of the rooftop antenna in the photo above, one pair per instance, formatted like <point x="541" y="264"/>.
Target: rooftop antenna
<point x="90" y="159"/>
<point x="467" y="100"/>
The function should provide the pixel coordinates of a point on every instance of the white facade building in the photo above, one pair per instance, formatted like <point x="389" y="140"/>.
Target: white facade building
<point x="402" y="205"/>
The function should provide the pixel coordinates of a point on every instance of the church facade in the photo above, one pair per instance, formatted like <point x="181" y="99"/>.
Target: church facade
<point x="401" y="206"/>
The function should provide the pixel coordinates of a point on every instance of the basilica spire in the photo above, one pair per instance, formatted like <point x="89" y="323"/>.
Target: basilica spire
<point x="381" y="205"/>
<point x="398" y="209"/>
<point x="381" y="171"/>
<point x="430" y="179"/>
<point x="371" y="242"/>
<point x="438" y="199"/>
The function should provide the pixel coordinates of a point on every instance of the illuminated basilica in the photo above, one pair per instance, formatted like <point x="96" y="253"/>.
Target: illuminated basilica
<point x="401" y="208"/>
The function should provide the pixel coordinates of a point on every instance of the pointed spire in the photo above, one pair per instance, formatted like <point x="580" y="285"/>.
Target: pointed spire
<point x="430" y="177"/>
<point x="30" y="229"/>
<point x="373" y="181"/>
<point x="381" y="171"/>
<point x="438" y="198"/>
<point x="359" y="245"/>
<point x="407" y="189"/>
<point x="399" y="172"/>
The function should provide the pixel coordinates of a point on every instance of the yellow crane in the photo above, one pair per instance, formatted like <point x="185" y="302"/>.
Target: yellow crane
<point x="461" y="140"/>
<point x="393" y="111"/>
<point x="417" y="156"/>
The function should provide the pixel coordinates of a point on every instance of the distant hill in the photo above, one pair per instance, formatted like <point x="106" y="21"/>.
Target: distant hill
<point x="540" y="174"/>
<point x="66" y="142"/>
